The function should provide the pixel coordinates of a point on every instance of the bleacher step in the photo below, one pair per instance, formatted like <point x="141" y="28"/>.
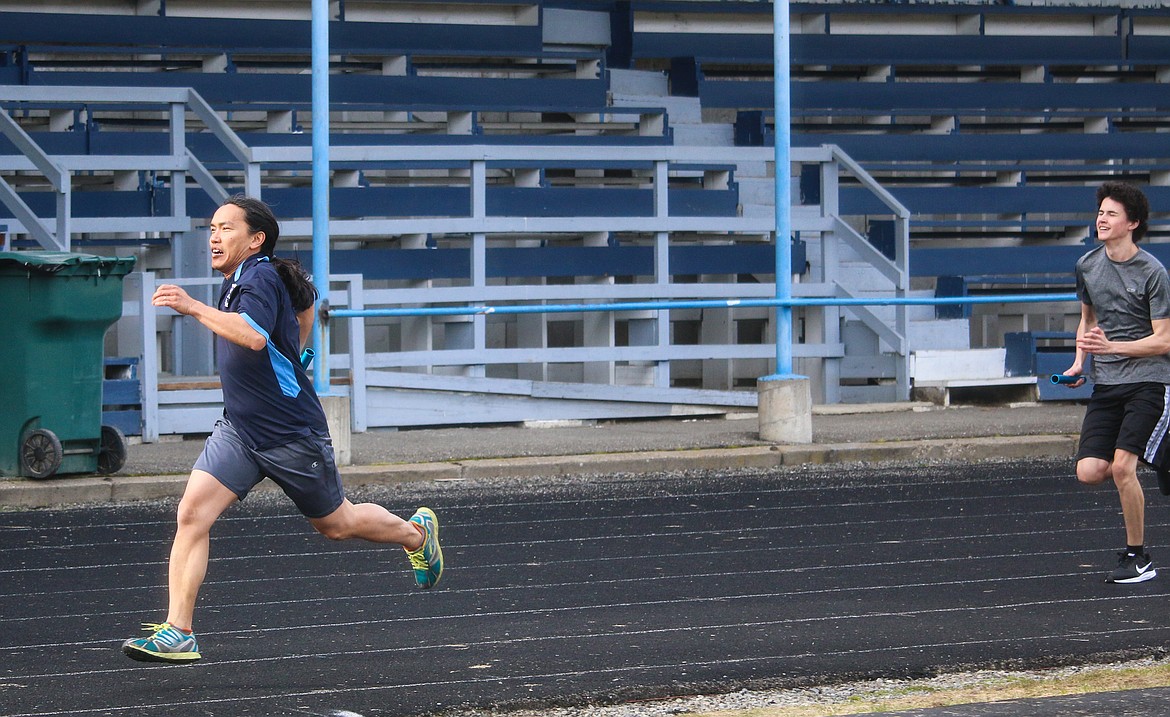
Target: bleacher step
<point x="969" y="365"/>
<point x="679" y="110"/>
<point x="703" y="135"/>
<point x="754" y="190"/>
<point x="880" y="393"/>
<point x="939" y="335"/>
<point x="642" y="83"/>
<point x="759" y="211"/>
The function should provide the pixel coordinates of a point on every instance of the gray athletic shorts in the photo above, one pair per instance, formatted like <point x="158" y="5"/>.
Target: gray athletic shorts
<point x="304" y="469"/>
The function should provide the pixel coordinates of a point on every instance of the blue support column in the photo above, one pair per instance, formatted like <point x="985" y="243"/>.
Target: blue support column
<point x="782" y="99"/>
<point x="320" y="71"/>
<point x="784" y="399"/>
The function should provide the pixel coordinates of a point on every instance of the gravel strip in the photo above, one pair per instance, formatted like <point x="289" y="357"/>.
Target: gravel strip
<point x="856" y="692"/>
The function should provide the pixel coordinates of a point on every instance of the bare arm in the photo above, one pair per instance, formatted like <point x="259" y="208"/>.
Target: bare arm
<point x="1088" y="322"/>
<point x="227" y="324"/>
<point x="305" y="322"/>
<point x="1094" y="341"/>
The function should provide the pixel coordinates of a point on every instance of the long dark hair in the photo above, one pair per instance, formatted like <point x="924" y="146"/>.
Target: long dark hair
<point x="260" y="218"/>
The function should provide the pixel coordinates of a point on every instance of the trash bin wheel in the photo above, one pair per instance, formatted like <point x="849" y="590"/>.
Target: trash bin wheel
<point x="40" y="453"/>
<point x="112" y="454"/>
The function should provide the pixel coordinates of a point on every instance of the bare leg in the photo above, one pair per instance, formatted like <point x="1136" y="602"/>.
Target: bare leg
<point x="1094" y="471"/>
<point x="368" y="521"/>
<point x="1133" y="499"/>
<point x="204" y="500"/>
<point x="1123" y="470"/>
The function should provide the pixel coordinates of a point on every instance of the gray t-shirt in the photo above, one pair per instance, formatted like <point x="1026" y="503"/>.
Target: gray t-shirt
<point x="1125" y="296"/>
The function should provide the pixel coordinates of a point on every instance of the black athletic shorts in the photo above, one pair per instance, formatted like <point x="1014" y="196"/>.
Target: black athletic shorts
<point x="1132" y="417"/>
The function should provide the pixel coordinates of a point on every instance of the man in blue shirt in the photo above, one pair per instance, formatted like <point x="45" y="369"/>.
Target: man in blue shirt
<point x="272" y="425"/>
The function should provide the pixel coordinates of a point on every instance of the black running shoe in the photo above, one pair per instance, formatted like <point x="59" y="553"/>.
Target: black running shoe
<point x="1133" y="569"/>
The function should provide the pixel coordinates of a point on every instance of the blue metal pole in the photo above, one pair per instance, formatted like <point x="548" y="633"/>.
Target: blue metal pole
<point x="320" y="73"/>
<point x="702" y="304"/>
<point x="780" y="87"/>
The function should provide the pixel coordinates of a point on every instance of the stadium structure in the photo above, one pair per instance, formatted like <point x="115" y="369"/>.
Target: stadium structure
<point x="571" y="152"/>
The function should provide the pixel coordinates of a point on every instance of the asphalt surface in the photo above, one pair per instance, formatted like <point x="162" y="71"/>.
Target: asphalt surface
<point x="845" y="434"/>
<point x="832" y="426"/>
<point x="571" y="581"/>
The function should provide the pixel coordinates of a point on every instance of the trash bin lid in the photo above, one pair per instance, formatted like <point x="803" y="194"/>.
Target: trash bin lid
<point x="64" y="263"/>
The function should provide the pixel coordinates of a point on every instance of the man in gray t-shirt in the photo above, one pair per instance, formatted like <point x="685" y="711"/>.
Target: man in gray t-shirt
<point x="1125" y="325"/>
<point x="1125" y="296"/>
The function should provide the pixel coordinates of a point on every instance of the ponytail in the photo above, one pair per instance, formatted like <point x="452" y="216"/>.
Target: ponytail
<point x="297" y="281"/>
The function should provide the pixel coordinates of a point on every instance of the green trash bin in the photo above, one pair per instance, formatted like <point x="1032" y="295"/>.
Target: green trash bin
<point x="57" y="306"/>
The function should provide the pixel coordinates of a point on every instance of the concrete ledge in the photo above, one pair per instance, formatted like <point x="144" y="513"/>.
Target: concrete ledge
<point x="27" y="493"/>
<point x="643" y="462"/>
<point x="967" y="450"/>
<point x="23" y="493"/>
<point x="146" y="487"/>
<point x="399" y="473"/>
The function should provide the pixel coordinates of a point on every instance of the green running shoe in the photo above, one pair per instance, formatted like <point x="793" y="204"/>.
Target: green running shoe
<point x="427" y="561"/>
<point x="165" y="644"/>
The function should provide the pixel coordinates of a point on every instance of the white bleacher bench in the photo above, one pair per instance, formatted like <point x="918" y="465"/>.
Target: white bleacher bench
<point x="936" y="375"/>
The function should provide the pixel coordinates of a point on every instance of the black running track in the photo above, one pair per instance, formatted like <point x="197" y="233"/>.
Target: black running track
<point x="563" y="592"/>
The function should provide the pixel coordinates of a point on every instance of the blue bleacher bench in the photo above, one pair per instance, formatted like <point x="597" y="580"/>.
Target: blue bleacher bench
<point x="946" y="98"/>
<point x="139" y="32"/>
<point x="1025" y="356"/>
<point x="122" y="396"/>
<point x="417" y="93"/>
<point x="557" y="261"/>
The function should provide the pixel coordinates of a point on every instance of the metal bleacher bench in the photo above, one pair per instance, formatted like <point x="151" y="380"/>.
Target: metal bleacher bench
<point x="944" y="98"/>
<point x="560" y="95"/>
<point x="143" y="32"/>
<point x="1042" y="354"/>
<point x="940" y="376"/>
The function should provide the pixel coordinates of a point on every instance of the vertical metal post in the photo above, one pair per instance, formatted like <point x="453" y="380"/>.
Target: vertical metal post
<point x="320" y="73"/>
<point x="178" y="150"/>
<point x="782" y="99"/>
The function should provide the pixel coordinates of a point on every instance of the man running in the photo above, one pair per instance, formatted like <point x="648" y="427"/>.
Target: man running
<point x="272" y="425"/>
<point x="1125" y="326"/>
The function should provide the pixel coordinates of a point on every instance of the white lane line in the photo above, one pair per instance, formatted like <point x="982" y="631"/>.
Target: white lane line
<point x="592" y="671"/>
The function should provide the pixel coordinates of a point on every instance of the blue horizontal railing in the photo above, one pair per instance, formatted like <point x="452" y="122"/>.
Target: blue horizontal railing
<point x="697" y="304"/>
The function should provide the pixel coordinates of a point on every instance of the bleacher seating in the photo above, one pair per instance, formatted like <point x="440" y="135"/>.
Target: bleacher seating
<point x="56" y="31"/>
<point x="494" y="79"/>
<point x="236" y="91"/>
<point x="990" y="199"/>
<point x="991" y="123"/>
<point x="453" y="201"/>
<point x="557" y="261"/>
<point x="822" y="99"/>
<point x="413" y="82"/>
<point x="874" y="79"/>
<point x="995" y="134"/>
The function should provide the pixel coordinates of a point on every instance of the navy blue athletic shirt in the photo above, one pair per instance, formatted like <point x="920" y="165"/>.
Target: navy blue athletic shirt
<point x="266" y="395"/>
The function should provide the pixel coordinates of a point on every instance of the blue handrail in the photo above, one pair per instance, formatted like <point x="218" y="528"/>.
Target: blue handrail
<point x="700" y="304"/>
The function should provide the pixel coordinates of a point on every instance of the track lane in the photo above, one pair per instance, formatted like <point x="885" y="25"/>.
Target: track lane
<point x="560" y="592"/>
